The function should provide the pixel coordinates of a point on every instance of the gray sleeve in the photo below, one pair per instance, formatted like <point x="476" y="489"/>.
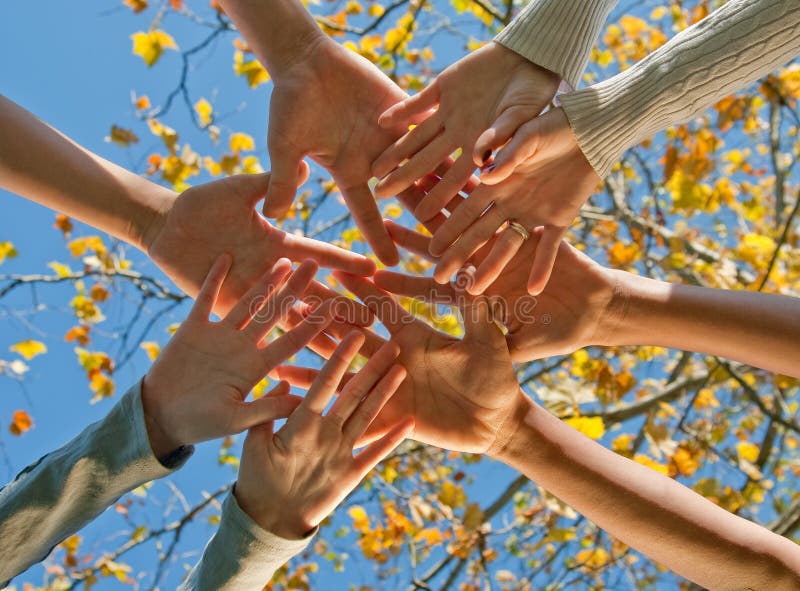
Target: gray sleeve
<point x="64" y="490"/>
<point x="241" y="556"/>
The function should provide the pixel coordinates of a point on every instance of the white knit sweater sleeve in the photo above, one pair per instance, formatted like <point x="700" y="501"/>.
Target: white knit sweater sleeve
<point x="732" y="47"/>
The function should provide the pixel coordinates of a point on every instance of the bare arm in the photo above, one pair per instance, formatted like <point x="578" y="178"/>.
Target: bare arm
<point x="40" y="164"/>
<point x="648" y="511"/>
<point x="755" y="328"/>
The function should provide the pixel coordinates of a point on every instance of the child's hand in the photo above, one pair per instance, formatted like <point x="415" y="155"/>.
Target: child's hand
<point x="291" y="480"/>
<point x="197" y="387"/>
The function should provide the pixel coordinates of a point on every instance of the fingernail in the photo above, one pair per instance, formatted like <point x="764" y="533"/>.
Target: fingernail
<point x="486" y="155"/>
<point x="489" y="168"/>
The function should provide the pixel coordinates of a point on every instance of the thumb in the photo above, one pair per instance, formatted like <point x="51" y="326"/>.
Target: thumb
<point x="288" y="172"/>
<point x="277" y="404"/>
<point x="248" y="187"/>
<point x="479" y="323"/>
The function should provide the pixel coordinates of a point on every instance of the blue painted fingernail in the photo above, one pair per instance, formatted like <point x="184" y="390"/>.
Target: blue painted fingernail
<point x="489" y="168"/>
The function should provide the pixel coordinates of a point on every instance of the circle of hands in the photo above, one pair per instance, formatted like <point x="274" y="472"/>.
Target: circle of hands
<point x="521" y="298"/>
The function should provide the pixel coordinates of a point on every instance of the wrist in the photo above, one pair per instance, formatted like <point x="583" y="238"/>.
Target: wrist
<point x="518" y="65"/>
<point x="162" y="439"/>
<point x="632" y="317"/>
<point x="148" y="225"/>
<point x="276" y="519"/>
<point x="508" y="432"/>
<point x="281" y="33"/>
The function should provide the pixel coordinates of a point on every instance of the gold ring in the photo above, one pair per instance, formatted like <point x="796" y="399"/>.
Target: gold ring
<point x="519" y="229"/>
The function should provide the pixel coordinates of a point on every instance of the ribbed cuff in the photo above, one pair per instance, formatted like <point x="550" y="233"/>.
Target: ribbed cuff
<point x="241" y="556"/>
<point x="734" y="46"/>
<point x="557" y="35"/>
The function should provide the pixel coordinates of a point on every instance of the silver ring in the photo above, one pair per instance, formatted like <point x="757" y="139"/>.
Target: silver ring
<point x="519" y="229"/>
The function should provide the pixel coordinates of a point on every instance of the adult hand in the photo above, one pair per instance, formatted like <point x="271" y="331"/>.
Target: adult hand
<point x="291" y="480"/>
<point x="197" y="387"/>
<point x="485" y="96"/>
<point x="582" y="305"/>
<point x="220" y="217"/>
<point x="326" y="106"/>
<point x="540" y="178"/>
<point x="446" y="390"/>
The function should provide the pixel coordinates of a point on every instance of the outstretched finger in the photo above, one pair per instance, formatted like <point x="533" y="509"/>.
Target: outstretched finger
<point x="444" y="191"/>
<point x="372" y="403"/>
<point x="462" y="218"/>
<point x="300" y="248"/>
<point x="387" y="309"/>
<point x="470" y="241"/>
<point x="327" y="381"/>
<point x="287" y="173"/>
<point x="405" y="147"/>
<point x="523" y="146"/>
<point x="267" y="313"/>
<point x="209" y="291"/>
<point x="368" y="218"/>
<point x="277" y="404"/>
<point x="371" y="455"/>
<point x="290" y="343"/>
<point x="413" y="286"/>
<point x="405" y="111"/>
<point x="357" y="388"/>
<point x="409" y="240"/>
<point x="503" y="250"/>
<point x="418" y="165"/>
<point x="545" y="258"/>
<point x="498" y="134"/>
<point x="252" y="301"/>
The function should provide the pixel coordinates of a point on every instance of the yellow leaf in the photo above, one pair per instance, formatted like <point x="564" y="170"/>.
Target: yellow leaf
<point x="452" y="495"/>
<point x="756" y="249"/>
<point x="136" y="5"/>
<point x="150" y="45"/>
<point x="60" y="269"/>
<point x="705" y="399"/>
<point x="28" y="349"/>
<point x="592" y="558"/>
<point x="101" y="385"/>
<point x="747" y="451"/>
<point x="360" y="518"/>
<point x="241" y="142"/>
<point x="78" y="334"/>
<point x="7" y="251"/>
<point x="250" y="69"/>
<point x="204" y="111"/>
<point x="376" y="10"/>
<point x="592" y="427"/>
<point x="152" y="349"/>
<point x="21" y="421"/>
<point x="354" y="7"/>
<point x="650" y="463"/>
<point x="142" y="103"/>
<point x="121" y="136"/>
<point x="393" y="211"/>
<point x="99" y="293"/>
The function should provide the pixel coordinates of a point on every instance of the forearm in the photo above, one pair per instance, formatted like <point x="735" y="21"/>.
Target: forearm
<point x="280" y="32"/>
<point x="557" y="35"/>
<point x="66" y="489"/>
<point x="751" y="327"/>
<point x="650" y="512"/>
<point x="735" y="45"/>
<point x="241" y="555"/>
<point x="40" y="164"/>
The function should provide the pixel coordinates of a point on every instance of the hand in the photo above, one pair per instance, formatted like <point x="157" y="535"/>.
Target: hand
<point x="197" y="387"/>
<point x="218" y="217"/>
<point x="541" y="178"/>
<point x="462" y="394"/>
<point x="327" y="106"/>
<point x="482" y="100"/>
<point x="582" y="305"/>
<point x="291" y="480"/>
